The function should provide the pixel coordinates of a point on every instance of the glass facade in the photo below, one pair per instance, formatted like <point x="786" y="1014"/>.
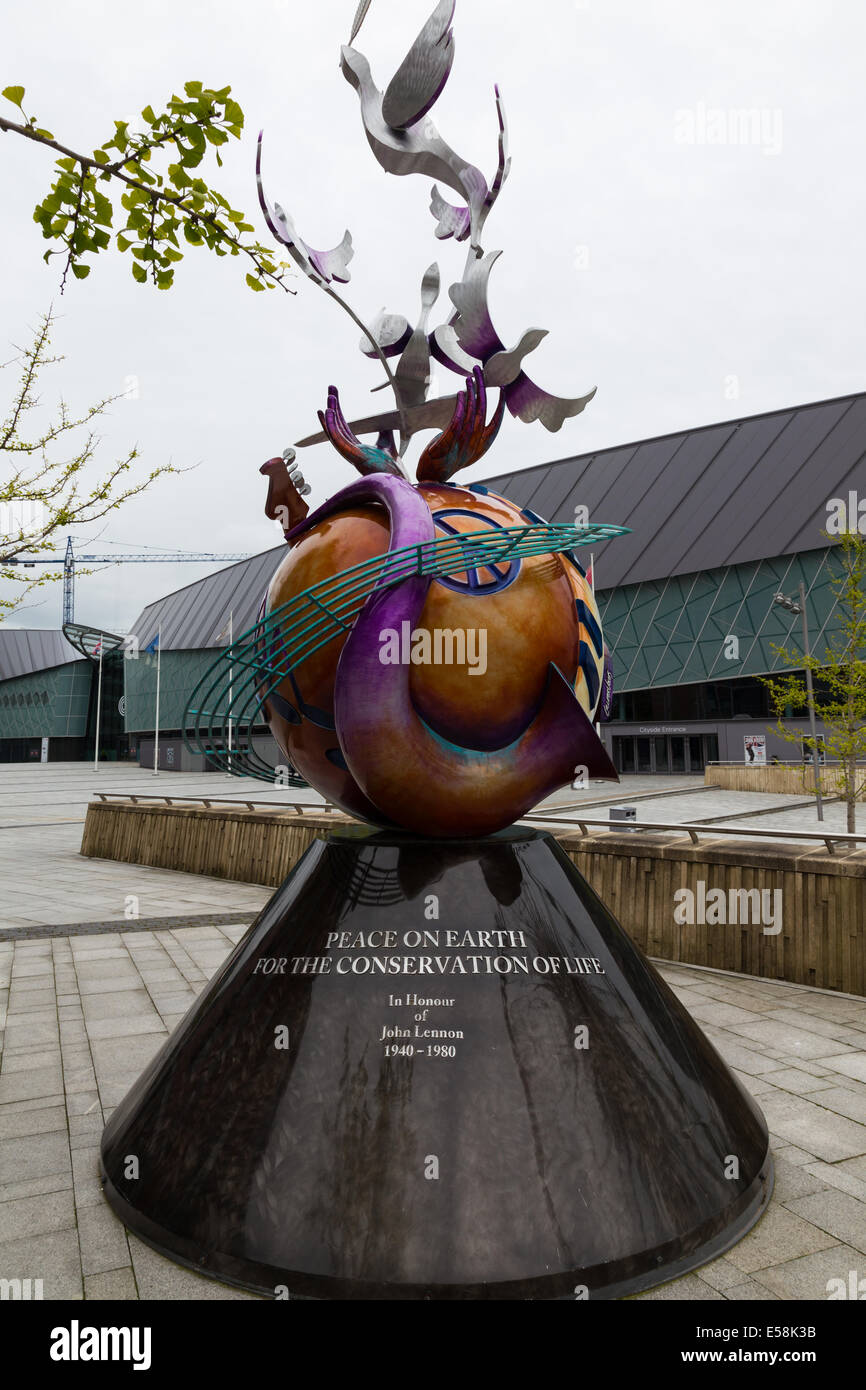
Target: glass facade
<point x="47" y="704"/>
<point x="664" y="753"/>
<point x="714" y="627"/>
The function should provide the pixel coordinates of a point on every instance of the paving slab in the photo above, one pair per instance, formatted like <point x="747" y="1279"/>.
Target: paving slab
<point x="838" y="1213"/>
<point x="849" y="1064"/>
<point x="815" y="1276"/>
<point x="751" y="1291"/>
<point x="805" y="1122"/>
<point x="786" y="1040"/>
<point x="34" y="1156"/>
<point x="53" y="1257"/>
<point x="104" y="1245"/>
<point x="116" y="1285"/>
<point x="780" y="1235"/>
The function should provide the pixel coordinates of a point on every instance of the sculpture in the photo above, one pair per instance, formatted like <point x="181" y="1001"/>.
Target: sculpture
<point x="522" y="1108"/>
<point x="383" y="716"/>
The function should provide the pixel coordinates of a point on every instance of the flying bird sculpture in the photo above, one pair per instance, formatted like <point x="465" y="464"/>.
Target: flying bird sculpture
<point x="476" y="335"/>
<point x="390" y="332"/>
<point x="422" y="75"/>
<point x="319" y="266"/>
<point x="405" y="141"/>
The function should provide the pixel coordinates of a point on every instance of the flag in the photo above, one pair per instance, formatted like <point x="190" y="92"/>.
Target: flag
<point x="153" y="645"/>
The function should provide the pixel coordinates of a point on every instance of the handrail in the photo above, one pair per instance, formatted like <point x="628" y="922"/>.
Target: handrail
<point x="781" y="762"/>
<point x="208" y="801"/>
<point x="694" y="831"/>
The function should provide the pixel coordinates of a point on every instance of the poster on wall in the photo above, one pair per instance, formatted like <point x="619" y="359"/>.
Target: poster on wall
<point x="756" y="749"/>
<point x="822" y="750"/>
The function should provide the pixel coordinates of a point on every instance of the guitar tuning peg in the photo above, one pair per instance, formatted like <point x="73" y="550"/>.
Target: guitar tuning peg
<point x="302" y="487"/>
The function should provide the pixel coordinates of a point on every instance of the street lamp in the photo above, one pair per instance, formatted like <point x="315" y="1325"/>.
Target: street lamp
<point x="794" y="606"/>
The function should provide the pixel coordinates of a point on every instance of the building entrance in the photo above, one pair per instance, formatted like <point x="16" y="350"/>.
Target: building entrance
<point x="672" y="754"/>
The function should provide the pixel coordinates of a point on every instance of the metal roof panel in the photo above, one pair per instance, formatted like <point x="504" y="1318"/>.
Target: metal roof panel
<point x="23" y="650"/>
<point x="707" y="497"/>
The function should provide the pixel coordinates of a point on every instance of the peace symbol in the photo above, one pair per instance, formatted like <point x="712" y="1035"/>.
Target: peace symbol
<point x="483" y="579"/>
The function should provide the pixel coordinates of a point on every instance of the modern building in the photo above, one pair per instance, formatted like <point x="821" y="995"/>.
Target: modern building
<point x="185" y="632"/>
<point x="723" y="518"/>
<point x="49" y="692"/>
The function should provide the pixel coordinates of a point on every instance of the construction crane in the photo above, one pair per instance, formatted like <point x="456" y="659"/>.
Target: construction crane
<point x="70" y="559"/>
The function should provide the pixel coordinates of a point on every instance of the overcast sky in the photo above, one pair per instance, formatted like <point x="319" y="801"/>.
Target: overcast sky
<point x="690" y="278"/>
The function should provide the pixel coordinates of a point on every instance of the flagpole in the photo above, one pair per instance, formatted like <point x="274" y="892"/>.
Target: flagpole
<point x="98" y="705"/>
<point x="156" y="731"/>
<point x="231" y="687"/>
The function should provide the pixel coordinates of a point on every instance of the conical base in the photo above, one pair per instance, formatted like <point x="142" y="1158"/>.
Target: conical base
<point x="438" y="1070"/>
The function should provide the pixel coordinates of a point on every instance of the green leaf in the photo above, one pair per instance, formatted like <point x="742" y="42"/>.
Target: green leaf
<point x="254" y="282"/>
<point x="80" y="272"/>
<point x="139" y="272"/>
<point x="148" y="115"/>
<point x="104" y="210"/>
<point x="15" y="95"/>
<point x="100" y="156"/>
<point x="122" y="243"/>
<point x="192" y="89"/>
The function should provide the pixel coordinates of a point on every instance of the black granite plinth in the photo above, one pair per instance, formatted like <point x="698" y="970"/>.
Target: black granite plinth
<point x="441" y="1070"/>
